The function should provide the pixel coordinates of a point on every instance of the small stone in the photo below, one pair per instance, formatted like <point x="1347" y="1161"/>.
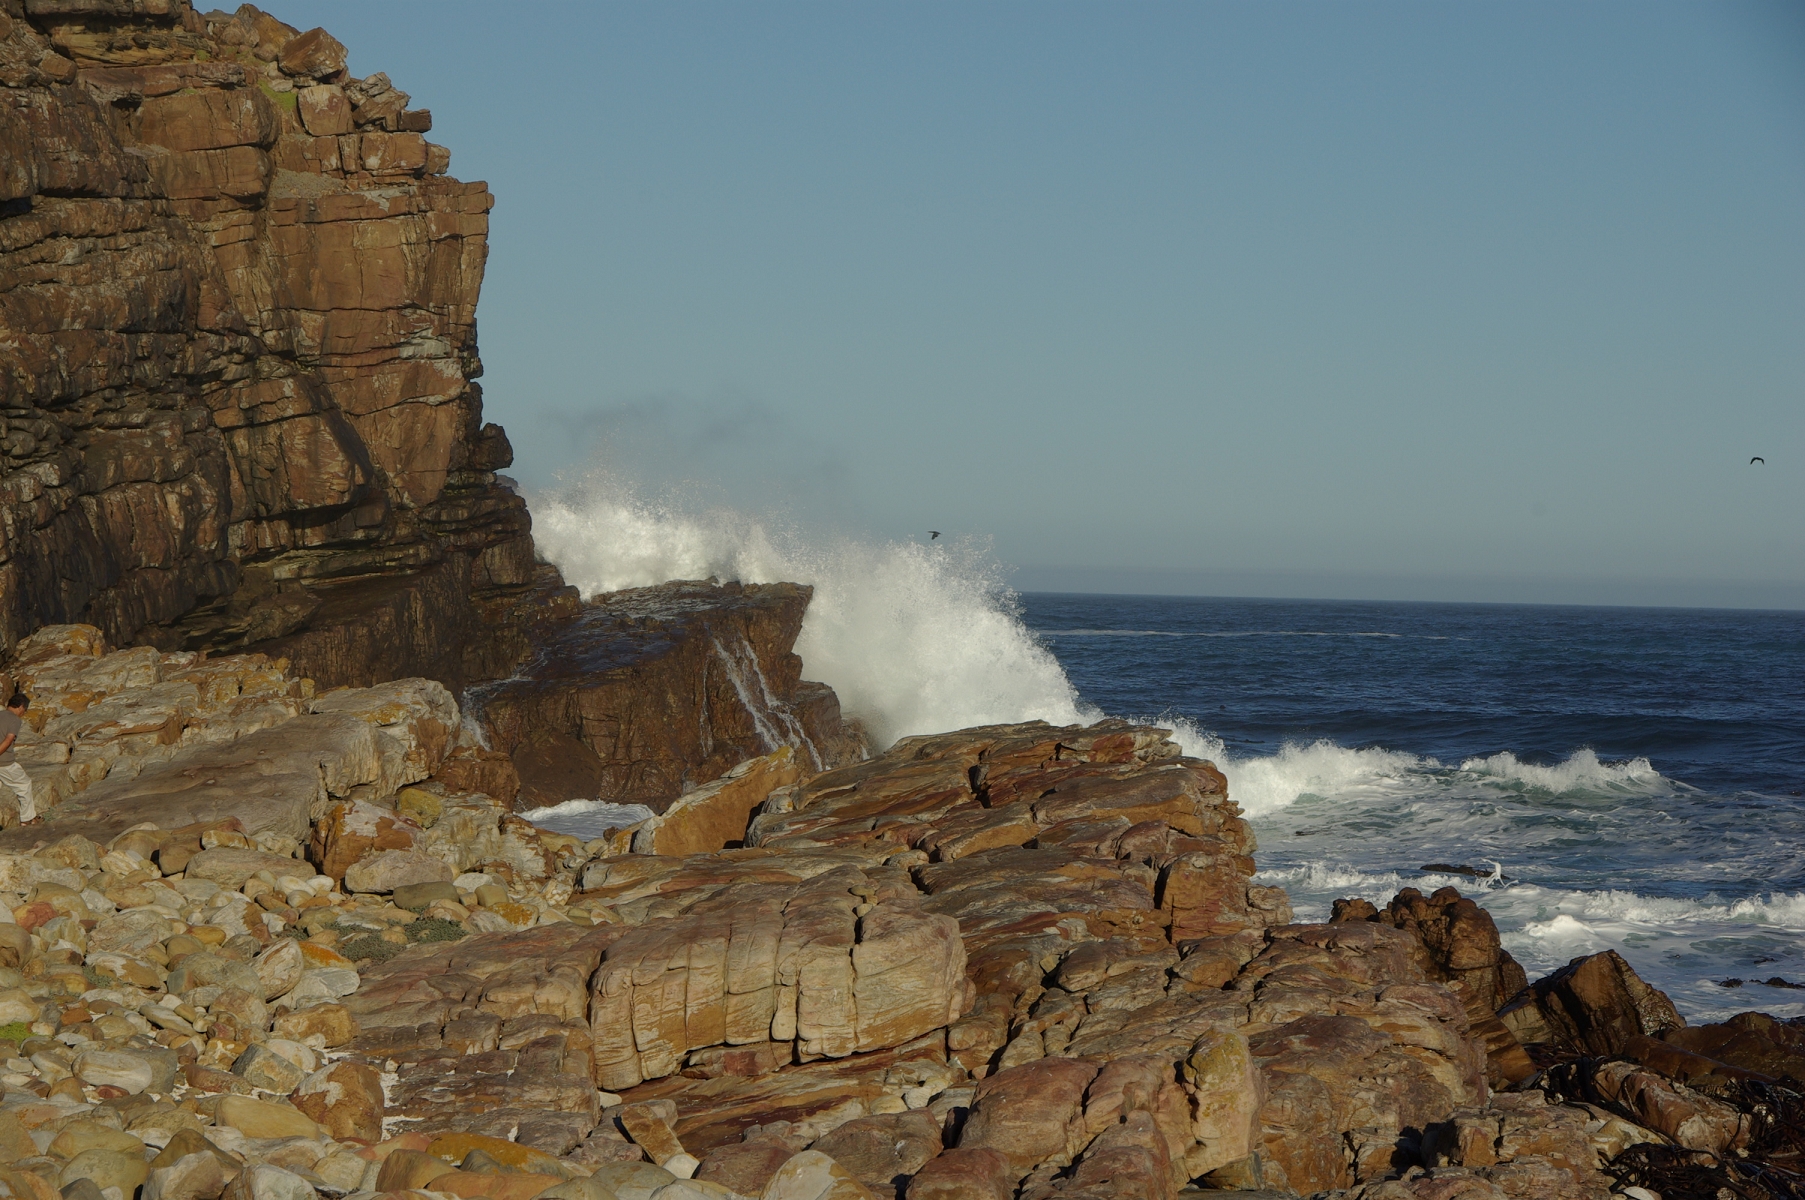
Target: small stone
<point x="230" y="866"/>
<point x="346" y="1099"/>
<point x="264" y="1119"/>
<point x="389" y="869"/>
<point x="132" y="932"/>
<point x="620" y="1180"/>
<point x="344" y="1171"/>
<point x="261" y="1181"/>
<point x="129" y="1072"/>
<point x="327" y="982"/>
<point x="406" y="1170"/>
<point x="280" y="967"/>
<point x="107" y="1169"/>
<point x="417" y="896"/>
<point x="267" y="1071"/>
<point x="196" y="1176"/>
<point x="649" y="1129"/>
<point x="419" y="805"/>
<point x="208" y="969"/>
<point x="17" y="1006"/>
<point x="332" y="1023"/>
<point x="80" y="1135"/>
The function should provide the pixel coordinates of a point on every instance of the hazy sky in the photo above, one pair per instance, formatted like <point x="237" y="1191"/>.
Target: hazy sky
<point x="1392" y="300"/>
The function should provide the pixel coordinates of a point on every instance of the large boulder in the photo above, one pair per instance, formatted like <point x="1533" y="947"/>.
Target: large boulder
<point x="1593" y="1005"/>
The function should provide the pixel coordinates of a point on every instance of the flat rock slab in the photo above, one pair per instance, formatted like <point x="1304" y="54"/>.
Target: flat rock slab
<point x="276" y="780"/>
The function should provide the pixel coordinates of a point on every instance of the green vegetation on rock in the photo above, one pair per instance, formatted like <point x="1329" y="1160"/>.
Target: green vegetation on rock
<point x="433" y="929"/>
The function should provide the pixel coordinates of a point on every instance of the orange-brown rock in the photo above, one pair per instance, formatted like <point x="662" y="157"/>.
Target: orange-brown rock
<point x="346" y="1100"/>
<point x="1458" y="944"/>
<point x="355" y="829"/>
<point x="1593" y="1005"/>
<point x="715" y="815"/>
<point x="241" y="355"/>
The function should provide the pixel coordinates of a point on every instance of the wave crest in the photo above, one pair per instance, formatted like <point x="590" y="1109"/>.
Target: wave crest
<point x="1580" y="772"/>
<point x="913" y="638"/>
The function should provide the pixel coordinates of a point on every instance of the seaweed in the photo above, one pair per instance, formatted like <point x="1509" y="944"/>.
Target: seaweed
<point x="1771" y="1167"/>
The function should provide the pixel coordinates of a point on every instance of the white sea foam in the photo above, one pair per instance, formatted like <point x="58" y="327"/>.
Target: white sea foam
<point x="913" y="638"/>
<point x="1265" y="784"/>
<point x="1582" y="771"/>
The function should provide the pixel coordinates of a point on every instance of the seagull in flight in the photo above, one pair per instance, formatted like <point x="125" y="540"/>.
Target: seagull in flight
<point x="932" y="534"/>
<point x="1757" y="459"/>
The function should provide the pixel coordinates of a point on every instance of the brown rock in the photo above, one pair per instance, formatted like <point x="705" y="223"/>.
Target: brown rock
<point x="213" y="229"/>
<point x="1031" y="1114"/>
<point x="353" y="830"/>
<point x="650" y="1132"/>
<point x="964" y="1173"/>
<point x="316" y="54"/>
<point x="1593" y="1005"/>
<point x="715" y="815"/>
<point x="744" y="1167"/>
<point x="509" y="1186"/>
<point x="1460" y="946"/>
<point x="780" y="963"/>
<point x="626" y="682"/>
<point x="404" y="1170"/>
<point x="346" y="1099"/>
<point x="332" y="1022"/>
<point x="1692" y="1120"/>
<point x="1748" y="1041"/>
<point x="884" y="1152"/>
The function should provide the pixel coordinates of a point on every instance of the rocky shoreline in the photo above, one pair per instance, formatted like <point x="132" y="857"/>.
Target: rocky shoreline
<point x="296" y="675"/>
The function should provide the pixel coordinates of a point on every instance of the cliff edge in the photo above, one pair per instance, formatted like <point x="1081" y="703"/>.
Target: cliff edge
<point x="238" y="354"/>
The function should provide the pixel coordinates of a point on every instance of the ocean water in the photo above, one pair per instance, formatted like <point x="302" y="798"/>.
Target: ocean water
<point x="1627" y="778"/>
<point x="1631" y="779"/>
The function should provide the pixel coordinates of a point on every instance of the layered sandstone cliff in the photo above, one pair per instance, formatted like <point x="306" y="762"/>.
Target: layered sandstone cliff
<point x="238" y="354"/>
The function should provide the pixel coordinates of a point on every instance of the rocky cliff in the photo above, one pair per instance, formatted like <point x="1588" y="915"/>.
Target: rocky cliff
<point x="238" y="354"/>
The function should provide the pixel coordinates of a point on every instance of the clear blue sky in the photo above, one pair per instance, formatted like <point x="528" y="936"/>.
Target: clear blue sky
<point x="1393" y="300"/>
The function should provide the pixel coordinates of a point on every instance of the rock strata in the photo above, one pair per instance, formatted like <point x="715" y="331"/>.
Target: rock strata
<point x="240" y="407"/>
<point x="1007" y="962"/>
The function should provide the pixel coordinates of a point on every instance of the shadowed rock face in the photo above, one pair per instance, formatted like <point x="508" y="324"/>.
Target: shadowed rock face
<point x="650" y="692"/>
<point x="237" y="406"/>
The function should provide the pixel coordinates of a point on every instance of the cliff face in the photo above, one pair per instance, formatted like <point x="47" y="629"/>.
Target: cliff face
<point x="238" y="353"/>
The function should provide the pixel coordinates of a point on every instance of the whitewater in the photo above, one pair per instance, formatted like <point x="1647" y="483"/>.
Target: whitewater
<point x="1541" y="750"/>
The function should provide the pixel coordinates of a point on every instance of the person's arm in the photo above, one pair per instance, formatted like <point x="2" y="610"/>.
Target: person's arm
<point x="6" y="743"/>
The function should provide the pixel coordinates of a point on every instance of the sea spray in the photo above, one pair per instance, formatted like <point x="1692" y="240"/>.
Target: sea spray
<point x="913" y="638"/>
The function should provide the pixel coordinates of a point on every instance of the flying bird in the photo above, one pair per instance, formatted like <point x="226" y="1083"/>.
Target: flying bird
<point x="932" y="534"/>
<point x="1757" y="459"/>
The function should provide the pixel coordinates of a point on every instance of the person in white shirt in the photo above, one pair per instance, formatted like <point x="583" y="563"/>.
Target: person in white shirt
<point x="12" y="719"/>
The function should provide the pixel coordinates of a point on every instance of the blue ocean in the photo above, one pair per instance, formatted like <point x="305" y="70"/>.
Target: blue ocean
<point x="1621" y="778"/>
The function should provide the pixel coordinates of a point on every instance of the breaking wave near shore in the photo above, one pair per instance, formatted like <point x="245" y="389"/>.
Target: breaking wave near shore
<point x="1570" y="859"/>
<point x="913" y="638"/>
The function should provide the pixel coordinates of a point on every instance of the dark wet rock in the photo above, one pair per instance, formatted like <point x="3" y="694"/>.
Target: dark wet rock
<point x="653" y="691"/>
